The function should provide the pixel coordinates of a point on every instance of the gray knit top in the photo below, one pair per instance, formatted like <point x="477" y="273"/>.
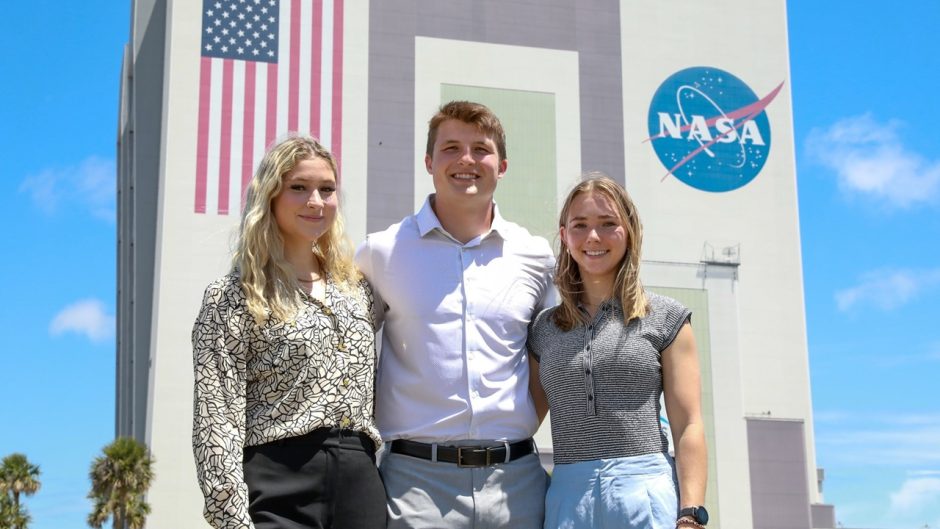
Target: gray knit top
<point x="604" y="380"/>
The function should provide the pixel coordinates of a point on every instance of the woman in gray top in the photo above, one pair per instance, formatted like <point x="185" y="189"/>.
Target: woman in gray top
<point x="607" y="353"/>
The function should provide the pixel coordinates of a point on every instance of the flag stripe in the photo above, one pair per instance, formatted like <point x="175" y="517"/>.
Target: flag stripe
<point x="326" y="82"/>
<point x="261" y="109"/>
<point x="237" y="128"/>
<point x="294" y="94"/>
<point x="337" y="128"/>
<point x="305" y="59"/>
<point x="272" y="105"/>
<point x="317" y="68"/>
<point x="283" y="71"/>
<point x="248" y="128"/>
<point x="225" y="137"/>
<point x="202" y="137"/>
<point x="215" y="128"/>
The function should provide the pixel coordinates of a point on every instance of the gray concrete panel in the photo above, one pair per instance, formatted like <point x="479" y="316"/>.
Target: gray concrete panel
<point x="139" y="183"/>
<point x="593" y="31"/>
<point x="779" y="490"/>
<point x="824" y="516"/>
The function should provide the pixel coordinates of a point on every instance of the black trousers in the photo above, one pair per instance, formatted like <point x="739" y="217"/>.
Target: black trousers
<point x="321" y="480"/>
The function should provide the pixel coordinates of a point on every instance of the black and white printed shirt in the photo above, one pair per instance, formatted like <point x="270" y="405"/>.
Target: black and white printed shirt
<point x="256" y="384"/>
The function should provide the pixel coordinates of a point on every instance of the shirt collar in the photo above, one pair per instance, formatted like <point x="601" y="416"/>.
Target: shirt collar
<point x="611" y="305"/>
<point x="427" y="221"/>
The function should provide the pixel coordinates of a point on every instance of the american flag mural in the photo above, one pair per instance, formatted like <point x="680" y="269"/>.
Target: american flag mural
<point x="267" y="67"/>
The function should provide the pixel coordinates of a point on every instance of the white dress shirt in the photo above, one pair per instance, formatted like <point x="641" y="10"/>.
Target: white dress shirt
<point x="453" y="364"/>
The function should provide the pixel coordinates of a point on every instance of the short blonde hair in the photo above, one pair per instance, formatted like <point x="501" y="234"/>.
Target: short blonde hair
<point x="627" y="287"/>
<point x="267" y="279"/>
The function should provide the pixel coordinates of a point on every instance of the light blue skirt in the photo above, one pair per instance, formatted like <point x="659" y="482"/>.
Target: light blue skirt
<point x="638" y="492"/>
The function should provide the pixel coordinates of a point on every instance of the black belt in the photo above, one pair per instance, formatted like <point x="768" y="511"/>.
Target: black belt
<point x="465" y="456"/>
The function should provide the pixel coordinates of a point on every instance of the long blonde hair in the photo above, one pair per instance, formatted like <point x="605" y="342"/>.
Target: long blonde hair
<point x="267" y="279"/>
<point x="627" y="287"/>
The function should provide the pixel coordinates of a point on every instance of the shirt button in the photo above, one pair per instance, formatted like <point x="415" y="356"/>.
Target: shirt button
<point x="588" y="348"/>
<point x="587" y="371"/>
<point x="345" y="381"/>
<point x="590" y="398"/>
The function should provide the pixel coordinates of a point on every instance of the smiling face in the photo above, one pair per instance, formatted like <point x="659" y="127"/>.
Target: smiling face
<point x="465" y="164"/>
<point x="595" y="235"/>
<point x="306" y="206"/>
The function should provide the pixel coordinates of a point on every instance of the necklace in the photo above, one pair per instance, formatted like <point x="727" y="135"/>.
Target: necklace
<point x="315" y="288"/>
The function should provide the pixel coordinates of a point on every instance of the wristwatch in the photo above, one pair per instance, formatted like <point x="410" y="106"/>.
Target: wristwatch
<point x="699" y="514"/>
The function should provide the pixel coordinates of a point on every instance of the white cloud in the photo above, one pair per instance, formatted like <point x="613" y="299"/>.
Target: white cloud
<point x="923" y="473"/>
<point x="41" y="188"/>
<point x="907" y="446"/>
<point x="90" y="185"/>
<point x="865" y="439"/>
<point x="882" y="468"/>
<point x="916" y="495"/>
<point x="86" y="317"/>
<point x="870" y="160"/>
<point x="907" y="505"/>
<point x="887" y="289"/>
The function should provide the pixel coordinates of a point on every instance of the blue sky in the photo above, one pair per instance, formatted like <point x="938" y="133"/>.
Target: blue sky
<point x="863" y="80"/>
<point x="868" y="159"/>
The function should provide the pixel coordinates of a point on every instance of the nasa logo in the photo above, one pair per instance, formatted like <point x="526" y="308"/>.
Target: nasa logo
<point x="709" y="129"/>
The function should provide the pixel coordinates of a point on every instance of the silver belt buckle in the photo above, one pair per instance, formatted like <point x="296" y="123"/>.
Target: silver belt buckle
<point x="473" y="450"/>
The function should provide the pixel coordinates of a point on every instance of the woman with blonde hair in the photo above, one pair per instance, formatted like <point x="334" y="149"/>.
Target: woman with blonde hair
<point x="606" y="354"/>
<point x="283" y="430"/>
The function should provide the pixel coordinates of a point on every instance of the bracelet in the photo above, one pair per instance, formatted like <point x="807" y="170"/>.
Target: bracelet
<point x="687" y="520"/>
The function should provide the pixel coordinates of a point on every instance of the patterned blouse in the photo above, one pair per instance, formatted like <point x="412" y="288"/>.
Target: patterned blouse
<point x="257" y="384"/>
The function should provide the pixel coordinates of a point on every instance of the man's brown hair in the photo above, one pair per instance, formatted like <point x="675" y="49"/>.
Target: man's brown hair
<point x="474" y="114"/>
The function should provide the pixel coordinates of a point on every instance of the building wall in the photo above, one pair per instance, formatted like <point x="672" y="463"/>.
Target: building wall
<point x="564" y="48"/>
<point x="577" y="86"/>
<point x="139" y="146"/>
<point x="780" y="496"/>
<point x="760" y="219"/>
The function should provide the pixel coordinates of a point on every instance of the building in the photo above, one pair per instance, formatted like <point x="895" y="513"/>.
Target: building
<point x="686" y="102"/>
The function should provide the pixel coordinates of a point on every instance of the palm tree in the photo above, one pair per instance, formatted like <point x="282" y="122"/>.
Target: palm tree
<point x="17" y="476"/>
<point x="10" y="516"/>
<point x="119" y="480"/>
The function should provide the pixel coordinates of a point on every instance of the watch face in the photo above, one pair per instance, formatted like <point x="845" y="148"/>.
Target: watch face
<point x="699" y="514"/>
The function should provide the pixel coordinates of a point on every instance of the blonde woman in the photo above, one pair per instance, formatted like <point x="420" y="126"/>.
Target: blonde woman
<point x="283" y="430"/>
<point x="606" y="354"/>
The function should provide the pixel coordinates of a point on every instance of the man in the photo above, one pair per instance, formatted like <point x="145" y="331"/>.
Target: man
<point x="459" y="285"/>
